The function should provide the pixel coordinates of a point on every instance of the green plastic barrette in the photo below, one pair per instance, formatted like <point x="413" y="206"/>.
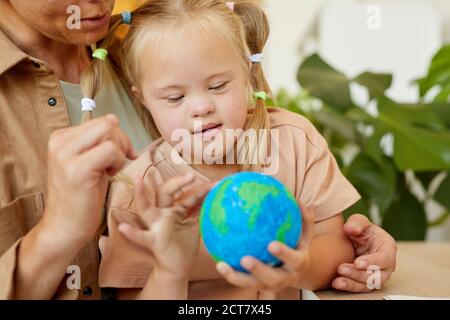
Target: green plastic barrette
<point x="260" y="95"/>
<point x="100" y="54"/>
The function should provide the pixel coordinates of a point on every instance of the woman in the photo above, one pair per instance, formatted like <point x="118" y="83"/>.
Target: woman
<point x="52" y="199"/>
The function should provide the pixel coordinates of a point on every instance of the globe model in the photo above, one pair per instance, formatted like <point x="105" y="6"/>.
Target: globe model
<point x="244" y="213"/>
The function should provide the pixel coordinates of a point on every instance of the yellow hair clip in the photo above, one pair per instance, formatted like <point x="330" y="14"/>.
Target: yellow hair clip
<point x="100" y="54"/>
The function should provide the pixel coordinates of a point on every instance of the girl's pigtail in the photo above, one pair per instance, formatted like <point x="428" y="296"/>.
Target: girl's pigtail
<point x="257" y="30"/>
<point x="92" y="77"/>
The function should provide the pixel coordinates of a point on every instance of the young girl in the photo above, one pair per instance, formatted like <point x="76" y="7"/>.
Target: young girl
<point x="194" y="66"/>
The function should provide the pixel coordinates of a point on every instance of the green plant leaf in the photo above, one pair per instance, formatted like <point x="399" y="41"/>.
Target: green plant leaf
<point x="422" y="139"/>
<point x="443" y="193"/>
<point x="405" y="220"/>
<point x="337" y="122"/>
<point x="376" y="83"/>
<point x="438" y="73"/>
<point x="372" y="145"/>
<point x="443" y="111"/>
<point x="444" y="95"/>
<point x="337" y="155"/>
<point x="324" y="82"/>
<point x="291" y="103"/>
<point x="374" y="182"/>
<point x="358" y="114"/>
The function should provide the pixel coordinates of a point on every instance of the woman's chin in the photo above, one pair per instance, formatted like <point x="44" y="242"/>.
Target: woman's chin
<point x="86" y="38"/>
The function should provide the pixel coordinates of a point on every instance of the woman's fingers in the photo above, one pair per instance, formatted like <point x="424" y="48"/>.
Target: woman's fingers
<point x="167" y="192"/>
<point x="107" y="156"/>
<point x="87" y="136"/>
<point x="345" y="284"/>
<point x="356" y="225"/>
<point x="384" y="258"/>
<point x="347" y="270"/>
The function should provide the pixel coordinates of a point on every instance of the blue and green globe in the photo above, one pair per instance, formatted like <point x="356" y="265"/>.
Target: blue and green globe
<point x="244" y="213"/>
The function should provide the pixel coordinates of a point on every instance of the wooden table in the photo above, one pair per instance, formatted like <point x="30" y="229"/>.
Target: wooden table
<point x="423" y="270"/>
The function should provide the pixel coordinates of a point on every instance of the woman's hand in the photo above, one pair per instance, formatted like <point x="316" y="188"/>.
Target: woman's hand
<point x="373" y="247"/>
<point x="296" y="263"/>
<point x="80" y="161"/>
<point x="169" y="229"/>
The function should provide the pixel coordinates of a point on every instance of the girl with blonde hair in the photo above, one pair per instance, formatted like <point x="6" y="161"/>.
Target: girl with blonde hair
<point x="194" y="66"/>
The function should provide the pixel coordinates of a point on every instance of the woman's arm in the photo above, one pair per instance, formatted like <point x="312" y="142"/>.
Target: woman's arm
<point x="80" y="161"/>
<point x="43" y="257"/>
<point x="159" y="286"/>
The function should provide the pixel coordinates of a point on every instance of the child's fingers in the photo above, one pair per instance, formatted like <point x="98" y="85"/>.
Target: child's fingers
<point x="166" y="195"/>
<point x="238" y="279"/>
<point x="293" y="259"/>
<point x="125" y="217"/>
<point x="140" y="237"/>
<point x="272" y="278"/>
<point x="194" y="197"/>
<point x="141" y="199"/>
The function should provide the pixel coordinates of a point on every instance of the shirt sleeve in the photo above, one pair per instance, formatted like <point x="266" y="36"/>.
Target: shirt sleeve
<point x="322" y="187"/>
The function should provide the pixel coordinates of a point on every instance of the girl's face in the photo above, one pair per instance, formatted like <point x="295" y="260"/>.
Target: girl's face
<point x="194" y="83"/>
<point x="78" y="22"/>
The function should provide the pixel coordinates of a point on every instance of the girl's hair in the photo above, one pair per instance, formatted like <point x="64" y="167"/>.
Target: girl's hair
<point x="246" y="30"/>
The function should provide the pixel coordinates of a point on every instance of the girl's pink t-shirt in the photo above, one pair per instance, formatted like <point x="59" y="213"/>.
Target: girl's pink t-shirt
<point x="305" y="166"/>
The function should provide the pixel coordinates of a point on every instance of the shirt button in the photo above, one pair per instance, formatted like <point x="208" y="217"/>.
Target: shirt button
<point x="36" y="65"/>
<point x="87" y="292"/>
<point x="52" y="102"/>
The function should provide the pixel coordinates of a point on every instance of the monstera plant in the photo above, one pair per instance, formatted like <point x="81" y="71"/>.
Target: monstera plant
<point x="387" y="149"/>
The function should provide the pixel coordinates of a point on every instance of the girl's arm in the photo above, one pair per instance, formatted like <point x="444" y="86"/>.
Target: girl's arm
<point x="329" y="248"/>
<point x="169" y="231"/>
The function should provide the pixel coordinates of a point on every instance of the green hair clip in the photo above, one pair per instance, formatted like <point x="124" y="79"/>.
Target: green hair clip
<point x="100" y="54"/>
<point x="260" y="95"/>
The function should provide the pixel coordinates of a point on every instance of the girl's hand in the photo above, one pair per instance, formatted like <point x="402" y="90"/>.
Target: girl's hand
<point x="296" y="263"/>
<point x="168" y="230"/>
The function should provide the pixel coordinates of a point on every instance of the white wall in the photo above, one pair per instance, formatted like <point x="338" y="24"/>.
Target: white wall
<point x="294" y="33"/>
<point x="392" y="37"/>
